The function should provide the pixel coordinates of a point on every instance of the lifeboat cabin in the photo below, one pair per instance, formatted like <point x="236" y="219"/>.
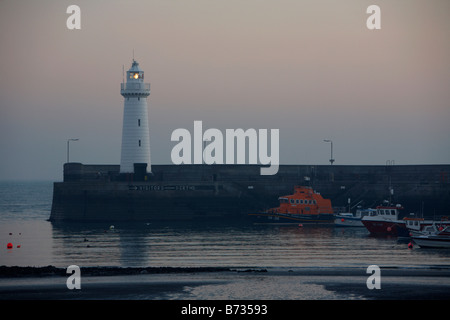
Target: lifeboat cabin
<point x="305" y="205"/>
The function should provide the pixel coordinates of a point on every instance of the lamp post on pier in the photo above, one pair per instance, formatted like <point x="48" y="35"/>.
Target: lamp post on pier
<point x="68" y="147"/>
<point x="331" y="157"/>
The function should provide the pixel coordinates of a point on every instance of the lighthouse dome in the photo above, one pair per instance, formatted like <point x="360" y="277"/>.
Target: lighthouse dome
<point x="135" y="67"/>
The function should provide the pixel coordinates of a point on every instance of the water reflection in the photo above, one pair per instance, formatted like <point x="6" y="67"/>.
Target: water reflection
<point x="186" y="245"/>
<point x="191" y="245"/>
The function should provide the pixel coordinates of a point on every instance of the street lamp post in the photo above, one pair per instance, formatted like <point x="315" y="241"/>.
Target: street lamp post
<point x="68" y="147"/>
<point x="331" y="157"/>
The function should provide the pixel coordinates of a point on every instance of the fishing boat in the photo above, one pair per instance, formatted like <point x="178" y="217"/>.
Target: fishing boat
<point x="304" y="206"/>
<point x="415" y="226"/>
<point x="348" y="219"/>
<point x="384" y="220"/>
<point x="427" y="230"/>
<point x="439" y="239"/>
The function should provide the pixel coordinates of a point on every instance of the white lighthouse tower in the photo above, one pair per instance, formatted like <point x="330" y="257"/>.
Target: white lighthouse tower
<point x="135" y="134"/>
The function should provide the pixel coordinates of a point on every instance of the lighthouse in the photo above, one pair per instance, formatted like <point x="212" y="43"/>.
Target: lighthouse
<point x="135" y="130"/>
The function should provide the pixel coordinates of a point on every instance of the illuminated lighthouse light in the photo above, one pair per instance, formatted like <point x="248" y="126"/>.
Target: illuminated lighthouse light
<point x="135" y="131"/>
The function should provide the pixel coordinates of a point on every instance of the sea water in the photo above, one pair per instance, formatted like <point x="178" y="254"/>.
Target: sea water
<point x="25" y="209"/>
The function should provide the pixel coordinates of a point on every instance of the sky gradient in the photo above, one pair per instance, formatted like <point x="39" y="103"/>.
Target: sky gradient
<point x="309" y="68"/>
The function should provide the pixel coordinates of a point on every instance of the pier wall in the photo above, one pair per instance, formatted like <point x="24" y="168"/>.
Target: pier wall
<point x="99" y="192"/>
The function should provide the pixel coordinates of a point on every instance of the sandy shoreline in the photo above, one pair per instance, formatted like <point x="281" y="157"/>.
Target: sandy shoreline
<point x="210" y="283"/>
<point x="42" y="271"/>
<point x="18" y="271"/>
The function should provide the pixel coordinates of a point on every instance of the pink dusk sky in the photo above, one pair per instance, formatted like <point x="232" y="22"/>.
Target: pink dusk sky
<point x="311" y="69"/>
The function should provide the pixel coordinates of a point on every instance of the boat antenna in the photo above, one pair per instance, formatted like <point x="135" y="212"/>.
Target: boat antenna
<point x="306" y="178"/>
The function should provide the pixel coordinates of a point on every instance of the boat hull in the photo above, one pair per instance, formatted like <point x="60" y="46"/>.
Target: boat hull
<point x="286" y="218"/>
<point x="380" y="227"/>
<point x="348" y="222"/>
<point x="432" y="242"/>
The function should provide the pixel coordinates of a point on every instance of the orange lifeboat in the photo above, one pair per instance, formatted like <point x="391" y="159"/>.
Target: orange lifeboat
<point x="305" y="205"/>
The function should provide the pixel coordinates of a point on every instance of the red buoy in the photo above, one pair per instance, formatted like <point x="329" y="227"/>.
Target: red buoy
<point x="342" y="219"/>
<point x="410" y="245"/>
<point x="9" y="245"/>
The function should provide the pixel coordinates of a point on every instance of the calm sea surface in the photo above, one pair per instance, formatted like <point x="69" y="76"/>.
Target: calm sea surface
<point x="25" y="208"/>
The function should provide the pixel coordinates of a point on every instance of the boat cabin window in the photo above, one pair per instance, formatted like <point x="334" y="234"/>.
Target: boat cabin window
<point x="297" y="201"/>
<point x="283" y="200"/>
<point x="387" y="212"/>
<point x="292" y="201"/>
<point x="301" y="201"/>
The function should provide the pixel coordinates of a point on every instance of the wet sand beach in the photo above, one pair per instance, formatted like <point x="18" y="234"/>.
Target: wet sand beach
<point x="103" y="283"/>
